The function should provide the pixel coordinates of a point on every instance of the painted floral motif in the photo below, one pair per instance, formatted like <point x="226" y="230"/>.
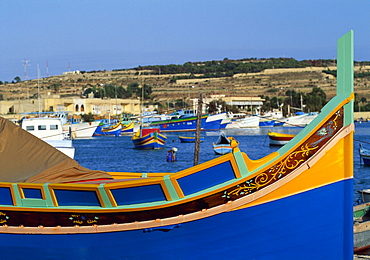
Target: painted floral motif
<point x="289" y="163"/>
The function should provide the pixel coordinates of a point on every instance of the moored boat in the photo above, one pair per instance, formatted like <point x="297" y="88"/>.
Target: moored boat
<point x="300" y="119"/>
<point x="223" y="145"/>
<point x="127" y="128"/>
<point x="53" y="205"/>
<point x="182" y="124"/>
<point x="266" y="122"/>
<point x="364" y="154"/>
<point x="49" y="130"/>
<point x="361" y="226"/>
<point x="189" y="139"/>
<point x="148" y="138"/>
<point x="105" y="128"/>
<point x="81" y="130"/>
<point x="279" y="138"/>
<point x="246" y="122"/>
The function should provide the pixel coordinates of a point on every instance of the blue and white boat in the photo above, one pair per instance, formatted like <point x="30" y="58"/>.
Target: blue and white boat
<point x="108" y="128"/>
<point x="223" y="144"/>
<point x="190" y="139"/>
<point x="179" y="124"/>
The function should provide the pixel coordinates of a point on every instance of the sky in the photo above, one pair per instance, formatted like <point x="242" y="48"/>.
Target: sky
<point x="42" y="38"/>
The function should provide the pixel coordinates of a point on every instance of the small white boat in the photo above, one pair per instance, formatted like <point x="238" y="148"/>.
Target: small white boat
<point x="49" y="130"/>
<point x="81" y="130"/>
<point x="247" y="122"/>
<point x="300" y="120"/>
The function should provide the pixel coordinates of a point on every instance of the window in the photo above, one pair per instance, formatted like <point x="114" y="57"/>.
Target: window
<point x="140" y="194"/>
<point x="32" y="193"/>
<point x="30" y="127"/>
<point x="77" y="198"/>
<point x="41" y="127"/>
<point x="53" y="127"/>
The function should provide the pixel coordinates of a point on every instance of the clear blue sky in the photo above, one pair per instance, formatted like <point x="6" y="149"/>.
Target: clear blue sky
<point x="116" y="34"/>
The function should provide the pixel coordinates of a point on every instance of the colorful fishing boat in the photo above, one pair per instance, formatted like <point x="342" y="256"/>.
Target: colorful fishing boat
<point x="279" y="138"/>
<point x="108" y="129"/>
<point x="223" y="144"/>
<point x="295" y="203"/>
<point x="364" y="154"/>
<point x="127" y="128"/>
<point x="189" y="139"/>
<point x="148" y="138"/>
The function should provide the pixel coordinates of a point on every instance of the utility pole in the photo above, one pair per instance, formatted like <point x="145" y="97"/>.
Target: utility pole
<point x="198" y="129"/>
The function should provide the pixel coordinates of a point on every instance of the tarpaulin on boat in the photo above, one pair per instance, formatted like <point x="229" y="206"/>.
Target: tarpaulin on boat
<point x="26" y="158"/>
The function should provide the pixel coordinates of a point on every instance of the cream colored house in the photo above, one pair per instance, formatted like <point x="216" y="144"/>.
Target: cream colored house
<point x="76" y="106"/>
<point x="246" y="104"/>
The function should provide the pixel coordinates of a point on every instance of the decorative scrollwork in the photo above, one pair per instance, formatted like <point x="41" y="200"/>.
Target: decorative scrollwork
<point x="273" y="174"/>
<point x="291" y="162"/>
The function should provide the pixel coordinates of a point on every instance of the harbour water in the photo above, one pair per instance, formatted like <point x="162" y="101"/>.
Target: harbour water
<point x="111" y="153"/>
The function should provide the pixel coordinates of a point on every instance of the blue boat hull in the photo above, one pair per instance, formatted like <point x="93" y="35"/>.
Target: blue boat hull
<point x="366" y="160"/>
<point x="178" y="126"/>
<point x="283" y="229"/>
<point x="99" y="131"/>
<point x="213" y="125"/>
<point x="190" y="139"/>
<point x="267" y="123"/>
<point x="222" y="149"/>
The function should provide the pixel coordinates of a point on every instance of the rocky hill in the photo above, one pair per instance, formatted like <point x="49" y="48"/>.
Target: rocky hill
<point x="268" y="82"/>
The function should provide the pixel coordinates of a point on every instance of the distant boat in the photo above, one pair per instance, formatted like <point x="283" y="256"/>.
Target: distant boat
<point x="223" y="144"/>
<point x="50" y="130"/>
<point x="364" y="154"/>
<point x="266" y="122"/>
<point x="361" y="227"/>
<point x="279" y="138"/>
<point x="81" y="130"/>
<point x="108" y="129"/>
<point x="189" y="139"/>
<point x="127" y="128"/>
<point x="148" y="138"/>
<point x="300" y="119"/>
<point x="216" y="122"/>
<point x="75" y="126"/>
<point x="247" y="122"/>
<point x="179" y="124"/>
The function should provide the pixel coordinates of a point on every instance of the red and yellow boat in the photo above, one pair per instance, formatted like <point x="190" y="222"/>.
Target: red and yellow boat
<point x="279" y="139"/>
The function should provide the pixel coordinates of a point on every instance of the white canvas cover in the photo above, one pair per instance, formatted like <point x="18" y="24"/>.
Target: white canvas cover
<point x="26" y="158"/>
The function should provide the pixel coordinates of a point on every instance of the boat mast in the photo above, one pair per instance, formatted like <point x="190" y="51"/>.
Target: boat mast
<point x="141" y="108"/>
<point x="38" y="88"/>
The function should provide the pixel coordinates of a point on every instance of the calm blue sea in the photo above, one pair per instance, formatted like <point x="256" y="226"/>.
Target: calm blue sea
<point x="118" y="154"/>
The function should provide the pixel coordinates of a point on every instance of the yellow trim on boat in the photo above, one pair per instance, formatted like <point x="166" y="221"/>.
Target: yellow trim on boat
<point x="306" y="178"/>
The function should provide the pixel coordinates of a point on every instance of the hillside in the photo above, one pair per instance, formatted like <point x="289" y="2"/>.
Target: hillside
<point x="170" y="87"/>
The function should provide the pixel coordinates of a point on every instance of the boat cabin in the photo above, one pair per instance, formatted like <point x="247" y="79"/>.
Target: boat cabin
<point x="44" y="128"/>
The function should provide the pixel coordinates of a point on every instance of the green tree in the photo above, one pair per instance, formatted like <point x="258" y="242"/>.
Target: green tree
<point x="17" y="79"/>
